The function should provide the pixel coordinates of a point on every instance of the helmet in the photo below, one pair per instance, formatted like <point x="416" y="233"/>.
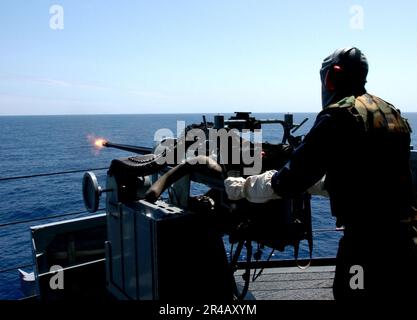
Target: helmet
<point x="342" y="74"/>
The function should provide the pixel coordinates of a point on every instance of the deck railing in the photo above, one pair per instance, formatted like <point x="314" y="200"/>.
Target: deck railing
<point x="48" y="217"/>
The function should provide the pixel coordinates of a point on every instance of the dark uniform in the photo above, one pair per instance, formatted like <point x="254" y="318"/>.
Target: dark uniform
<point x="361" y="144"/>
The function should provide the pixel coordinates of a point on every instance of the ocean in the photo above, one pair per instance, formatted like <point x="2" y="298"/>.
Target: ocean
<point x="42" y="144"/>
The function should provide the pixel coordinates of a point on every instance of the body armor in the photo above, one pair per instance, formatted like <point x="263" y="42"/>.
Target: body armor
<point x="376" y="155"/>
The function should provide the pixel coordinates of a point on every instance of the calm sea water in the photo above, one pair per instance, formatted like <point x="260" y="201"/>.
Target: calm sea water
<point x="31" y="145"/>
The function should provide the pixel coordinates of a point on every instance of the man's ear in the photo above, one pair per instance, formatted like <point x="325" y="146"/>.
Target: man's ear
<point x="333" y="76"/>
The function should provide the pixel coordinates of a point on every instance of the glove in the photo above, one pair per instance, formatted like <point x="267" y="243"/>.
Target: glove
<point x="234" y="188"/>
<point x="255" y="189"/>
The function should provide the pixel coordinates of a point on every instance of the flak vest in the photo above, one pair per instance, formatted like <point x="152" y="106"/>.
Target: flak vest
<point x="374" y="113"/>
<point x="381" y="124"/>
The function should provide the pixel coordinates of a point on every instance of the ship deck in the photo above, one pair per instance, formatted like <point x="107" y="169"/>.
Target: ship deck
<point x="292" y="283"/>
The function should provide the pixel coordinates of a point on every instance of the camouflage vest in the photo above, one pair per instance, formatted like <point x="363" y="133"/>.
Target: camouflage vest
<point x="374" y="113"/>
<point x="380" y="122"/>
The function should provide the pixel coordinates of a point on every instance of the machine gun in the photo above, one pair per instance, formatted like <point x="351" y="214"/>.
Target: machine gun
<point x="173" y="248"/>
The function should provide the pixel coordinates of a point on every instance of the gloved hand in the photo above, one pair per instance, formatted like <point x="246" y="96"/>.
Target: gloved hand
<point x="234" y="188"/>
<point x="255" y="189"/>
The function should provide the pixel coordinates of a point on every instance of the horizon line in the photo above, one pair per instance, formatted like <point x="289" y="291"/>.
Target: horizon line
<point x="123" y="114"/>
<point x="159" y="113"/>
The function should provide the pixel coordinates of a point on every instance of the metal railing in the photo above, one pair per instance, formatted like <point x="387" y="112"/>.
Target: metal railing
<point x="38" y="175"/>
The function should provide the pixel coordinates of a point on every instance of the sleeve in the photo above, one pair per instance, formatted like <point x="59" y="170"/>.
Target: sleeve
<point x="258" y="189"/>
<point x="309" y="162"/>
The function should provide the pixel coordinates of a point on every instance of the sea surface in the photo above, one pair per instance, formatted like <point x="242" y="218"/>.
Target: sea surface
<point x="46" y="144"/>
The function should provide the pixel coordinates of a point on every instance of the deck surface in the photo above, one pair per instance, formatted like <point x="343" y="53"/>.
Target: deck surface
<point x="314" y="283"/>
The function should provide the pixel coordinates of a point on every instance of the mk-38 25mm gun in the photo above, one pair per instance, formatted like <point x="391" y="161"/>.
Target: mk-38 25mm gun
<point x="163" y="243"/>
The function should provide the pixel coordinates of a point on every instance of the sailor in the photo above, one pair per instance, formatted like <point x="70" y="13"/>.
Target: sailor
<point x="358" y="152"/>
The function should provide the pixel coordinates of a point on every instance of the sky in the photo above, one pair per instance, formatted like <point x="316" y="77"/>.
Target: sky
<point x="196" y="56"/>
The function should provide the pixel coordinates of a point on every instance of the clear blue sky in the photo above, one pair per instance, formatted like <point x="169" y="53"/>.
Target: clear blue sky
<point x="158" y="56"/>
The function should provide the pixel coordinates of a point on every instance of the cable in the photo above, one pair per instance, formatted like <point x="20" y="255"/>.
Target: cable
<point x="256" y="275"/>
<point x="246" y="275"/>
<point x="45" y="218"/>
<point x="49" y="174"/>
<point x="14" y="268"/>
<point x="231" y="250"/>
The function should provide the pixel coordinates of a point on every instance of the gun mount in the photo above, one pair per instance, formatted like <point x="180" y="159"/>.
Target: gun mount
<point x="146" y="233"/>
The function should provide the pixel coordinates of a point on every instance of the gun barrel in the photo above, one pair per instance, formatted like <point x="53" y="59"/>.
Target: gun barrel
<point x="126" y="147"/>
